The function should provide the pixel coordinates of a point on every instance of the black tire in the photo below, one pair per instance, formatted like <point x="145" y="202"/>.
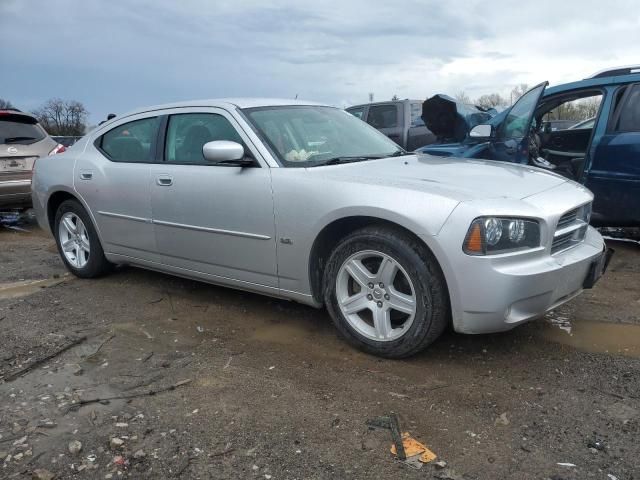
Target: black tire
<point x="97" y="265"/>
<point x="432" y="309"/>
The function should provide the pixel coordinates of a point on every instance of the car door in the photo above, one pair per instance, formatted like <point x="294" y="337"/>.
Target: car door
<point x="387" y="118"/>
<point x="112" y="177"/>
<point x="210" y="219"/>
<point x="614" y="172"/>
<point x="511" y="142"/>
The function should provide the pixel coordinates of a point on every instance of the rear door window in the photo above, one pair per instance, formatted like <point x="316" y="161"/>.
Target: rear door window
<point x="629" y="118"/>
<point x="131" y="142"/>
<point x="383" y="116"/>
<point x="20" y="130"/>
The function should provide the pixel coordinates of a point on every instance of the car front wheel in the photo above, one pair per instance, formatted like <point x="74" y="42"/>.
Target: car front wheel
<point x="78" y="241"/>
<point x="386" y="293"/>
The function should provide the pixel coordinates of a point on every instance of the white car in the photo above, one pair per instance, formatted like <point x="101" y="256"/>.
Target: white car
<point x="306" y="202"/>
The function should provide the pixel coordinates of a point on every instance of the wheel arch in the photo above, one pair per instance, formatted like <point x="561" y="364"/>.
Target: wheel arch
<point x="54" y="201"/>
<point x="332" y="233"/>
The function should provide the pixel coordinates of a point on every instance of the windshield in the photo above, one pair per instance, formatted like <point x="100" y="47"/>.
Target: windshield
<point x="19" y="129"/>
<point x="518" y="119"/>
<point x="304" y="136"/>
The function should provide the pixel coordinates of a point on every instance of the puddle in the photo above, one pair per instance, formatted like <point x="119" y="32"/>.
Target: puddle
<point x="28" y="287"/>
<point x="594" y="337"/>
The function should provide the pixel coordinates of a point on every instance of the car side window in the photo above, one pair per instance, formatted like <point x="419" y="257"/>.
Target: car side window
<point x="416" y="115"/>
<point x="131" y="142"/>
<point x="357" y="112"/>
<point x="188" y="132"/>
<point x="383" y="116"/>
<point x="629" y="119"/>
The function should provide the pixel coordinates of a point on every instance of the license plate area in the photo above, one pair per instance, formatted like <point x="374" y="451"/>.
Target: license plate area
<point x="13" y="164"/>
<point x="597" y="268"/>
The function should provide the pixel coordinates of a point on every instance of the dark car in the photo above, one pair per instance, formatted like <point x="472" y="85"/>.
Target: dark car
<point x="400" y="120"/>
<point x="604" y="157"/>
<point x="22" y="142"/>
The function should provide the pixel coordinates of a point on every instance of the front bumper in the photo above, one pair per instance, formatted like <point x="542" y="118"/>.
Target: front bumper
<point x="499" y="293"/>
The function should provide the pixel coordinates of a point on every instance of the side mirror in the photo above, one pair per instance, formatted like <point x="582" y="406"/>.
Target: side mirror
<point x="222" y="151"/>
<point x="480" y="131"/>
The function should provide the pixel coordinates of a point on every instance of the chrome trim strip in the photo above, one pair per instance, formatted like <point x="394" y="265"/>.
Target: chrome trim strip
<point x="16" y="182"/>
<point x="212" y="230"/>
<point x="126" y="217"/>
<point x="187" y="227"/>
<point x="576" y="225"/>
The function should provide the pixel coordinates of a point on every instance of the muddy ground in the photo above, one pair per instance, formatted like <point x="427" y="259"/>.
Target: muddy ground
<point x="265" y="389"/>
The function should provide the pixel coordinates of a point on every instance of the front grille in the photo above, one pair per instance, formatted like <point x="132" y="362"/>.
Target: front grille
<point x="567" y="219"/>
<point x="571" y="229"/>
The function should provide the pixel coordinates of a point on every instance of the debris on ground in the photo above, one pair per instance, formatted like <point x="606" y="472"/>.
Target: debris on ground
<point x="75" y="447"/>
<point x="502" y="419"/>
<point x="42" y="474"/>
<point x="413" y="448"/>
<point x="404" y="447"/>
<point x="116" y="442"/>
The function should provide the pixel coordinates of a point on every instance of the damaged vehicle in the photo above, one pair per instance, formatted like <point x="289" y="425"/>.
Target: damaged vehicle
<point x="400" y="120"/>
<point x="22" y="142"/>
<point x="305" y="202"/>
<point x="599" y="150"/>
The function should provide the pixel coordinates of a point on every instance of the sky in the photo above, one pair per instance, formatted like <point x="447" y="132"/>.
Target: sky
<point x="117" y="55"/>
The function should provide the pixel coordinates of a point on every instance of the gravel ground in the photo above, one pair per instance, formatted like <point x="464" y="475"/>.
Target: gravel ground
<point x="169" y="378"/>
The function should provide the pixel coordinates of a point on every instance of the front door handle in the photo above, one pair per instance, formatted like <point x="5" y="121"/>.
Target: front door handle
<point x="164" y="181"/>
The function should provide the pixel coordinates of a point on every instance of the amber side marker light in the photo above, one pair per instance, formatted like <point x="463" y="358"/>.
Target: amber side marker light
<point x="473" y="243"/>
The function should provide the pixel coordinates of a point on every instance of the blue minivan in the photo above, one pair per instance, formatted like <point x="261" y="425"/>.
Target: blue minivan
<point x="603" y="154"/>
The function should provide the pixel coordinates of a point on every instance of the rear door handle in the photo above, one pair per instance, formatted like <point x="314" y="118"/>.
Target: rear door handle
<point x="164" y="181"/>
<point x="86" y="175"/>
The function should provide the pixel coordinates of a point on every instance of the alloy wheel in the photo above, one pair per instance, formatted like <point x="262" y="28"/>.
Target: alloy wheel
<point x="74" y="240"/>
<point x="376" y="295"/>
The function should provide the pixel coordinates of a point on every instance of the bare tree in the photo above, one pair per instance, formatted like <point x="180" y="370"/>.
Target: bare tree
<point x="4" y="104"/>
<point x="462" y="97"/>
<point x="395" y="98"/>
<point x="518" y="91"/>
<point x="62" y="117"/>
<point x="492" y="100"/>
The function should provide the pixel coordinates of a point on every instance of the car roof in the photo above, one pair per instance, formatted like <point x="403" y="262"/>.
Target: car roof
<point x="225" y="103"/>
<point x="15" y="112"/>
<point x="593" y="82"/>
<point x="385" y="102"/>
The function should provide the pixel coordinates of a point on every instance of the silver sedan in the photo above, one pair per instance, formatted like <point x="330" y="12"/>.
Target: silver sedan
<point x="306" y="202"/>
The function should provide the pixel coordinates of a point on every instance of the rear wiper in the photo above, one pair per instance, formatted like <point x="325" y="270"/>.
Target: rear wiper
<point x="17" y="139"/>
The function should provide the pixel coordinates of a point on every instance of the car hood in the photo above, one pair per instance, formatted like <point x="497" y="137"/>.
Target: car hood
<point x="451" y="120"/>
<point x="454" y="178"/>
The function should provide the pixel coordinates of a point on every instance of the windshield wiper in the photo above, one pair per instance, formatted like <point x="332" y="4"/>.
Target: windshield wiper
<point x="346" y="159"/>
<point x="17" y="139"/>
<point x="400" y="153"/>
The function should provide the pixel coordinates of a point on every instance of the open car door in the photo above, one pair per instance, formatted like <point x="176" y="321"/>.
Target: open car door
<point x="511" y="142"/>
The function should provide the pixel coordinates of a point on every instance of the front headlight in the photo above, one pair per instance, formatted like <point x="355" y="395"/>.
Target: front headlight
<point x="491" y="235"/>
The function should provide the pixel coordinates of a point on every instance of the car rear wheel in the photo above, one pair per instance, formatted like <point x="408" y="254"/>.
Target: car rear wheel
<point x="386" y="293"/>
<point x="78" y="241"/>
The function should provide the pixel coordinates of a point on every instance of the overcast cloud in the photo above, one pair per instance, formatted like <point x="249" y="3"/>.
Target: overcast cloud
<point x="120" y="54"/>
